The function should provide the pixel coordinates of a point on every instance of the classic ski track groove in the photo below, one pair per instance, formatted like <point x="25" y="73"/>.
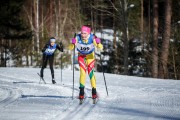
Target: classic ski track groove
<point x="78" y="111"/>
<point x="71" y="112"/>
<point x="10" y="95"/>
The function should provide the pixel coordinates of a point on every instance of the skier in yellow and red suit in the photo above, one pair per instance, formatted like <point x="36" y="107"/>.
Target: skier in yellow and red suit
<point x="85" y="43"/>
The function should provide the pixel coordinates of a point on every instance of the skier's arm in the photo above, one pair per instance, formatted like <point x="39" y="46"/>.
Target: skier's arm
<point x="60" y="47"/>
<point x="45" y="47"/>
<point x="72" y="44"/>
<point x="97" y="43"/>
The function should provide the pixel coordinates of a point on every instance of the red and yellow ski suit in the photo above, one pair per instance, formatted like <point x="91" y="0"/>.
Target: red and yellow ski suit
<point x="86" y="63"/>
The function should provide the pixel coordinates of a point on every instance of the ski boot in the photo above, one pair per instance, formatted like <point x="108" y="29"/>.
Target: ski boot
<point x="53" y="81"/>
<point x="41" y="74"/>
<point x="81" y="95"/>
<point x="94" y="95"/>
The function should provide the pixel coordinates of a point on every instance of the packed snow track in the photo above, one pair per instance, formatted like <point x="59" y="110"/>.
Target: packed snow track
<point x="130" y="98"/>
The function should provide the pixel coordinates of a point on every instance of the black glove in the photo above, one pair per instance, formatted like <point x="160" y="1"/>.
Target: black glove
<point x="45" y="47"/>
<point x="42" y="50"/>
<point x="61" y="47"/>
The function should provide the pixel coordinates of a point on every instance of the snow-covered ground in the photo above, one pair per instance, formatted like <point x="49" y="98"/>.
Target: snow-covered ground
<point x="130" y="98"/>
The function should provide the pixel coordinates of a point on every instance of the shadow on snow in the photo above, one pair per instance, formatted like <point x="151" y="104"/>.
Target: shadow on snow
<point x="44" y="96"/>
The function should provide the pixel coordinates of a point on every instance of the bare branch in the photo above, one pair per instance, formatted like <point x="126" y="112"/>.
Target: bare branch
<point x="113" y="5"/>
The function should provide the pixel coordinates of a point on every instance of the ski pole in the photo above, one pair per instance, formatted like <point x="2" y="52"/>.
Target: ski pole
<point x="61" y="59"/>
<point x="104" y="75"/>
<point x="61" y="68"/>
<point x="73" y="67"/>
<point x="102" y="70"/>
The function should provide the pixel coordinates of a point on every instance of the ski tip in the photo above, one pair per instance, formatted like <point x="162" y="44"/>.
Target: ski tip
<point x="95" y="101"/>
<point x="81" y="101"/>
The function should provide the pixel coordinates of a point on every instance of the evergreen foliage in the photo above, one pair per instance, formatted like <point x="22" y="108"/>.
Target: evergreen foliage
<point x="61" y="18"/>
<point x="12" y="25"/>
<point x="14" y="28"/>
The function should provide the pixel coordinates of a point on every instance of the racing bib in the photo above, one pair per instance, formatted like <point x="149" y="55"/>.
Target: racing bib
<point x="85" y="49"/>
<point x="49" y="51"/>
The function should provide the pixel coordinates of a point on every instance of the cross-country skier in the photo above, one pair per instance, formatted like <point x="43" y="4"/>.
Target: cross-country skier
<point x="85" y="43"/>
<point x="48" y="55"/>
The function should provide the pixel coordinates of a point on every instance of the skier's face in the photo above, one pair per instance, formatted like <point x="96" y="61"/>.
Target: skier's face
<point x="84" y="35"/>
<point x="52" y="43"/>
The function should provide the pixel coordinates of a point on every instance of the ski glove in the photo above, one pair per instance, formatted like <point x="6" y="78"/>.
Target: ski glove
<point x="46" y="46"/>
<point x="100" y="46"/>
<point x="61" y="46"/>
<point x="73" y="41"/>
<point x="98" y="40"/>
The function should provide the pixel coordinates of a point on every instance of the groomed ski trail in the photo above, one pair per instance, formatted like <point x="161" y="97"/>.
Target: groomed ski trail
<point x="130" y="98"/>
<point x="73" y="110"/>
<point x="8" y="95"/>
<point x="78" y="111"/>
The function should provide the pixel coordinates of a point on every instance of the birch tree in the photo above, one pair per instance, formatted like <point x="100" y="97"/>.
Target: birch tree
<point x="36" y="9"/>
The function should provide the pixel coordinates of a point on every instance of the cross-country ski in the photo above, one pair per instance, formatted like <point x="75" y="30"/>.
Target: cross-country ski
<point x="95" y="101"/>
<point x="41" y="79"/>
<point x="81" y="101"/>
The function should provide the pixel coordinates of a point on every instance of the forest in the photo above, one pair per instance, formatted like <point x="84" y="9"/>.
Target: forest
<point x="140" y="37"/>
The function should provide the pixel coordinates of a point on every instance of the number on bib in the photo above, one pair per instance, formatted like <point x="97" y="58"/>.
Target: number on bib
<point x="85" y="48"/>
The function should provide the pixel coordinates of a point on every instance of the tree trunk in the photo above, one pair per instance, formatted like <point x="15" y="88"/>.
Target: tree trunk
<point x="126" y="35"/>
<point x="50" y="27"/>
<point x="155" y="40"/>
<point x="37" y="24"/>
<point x="42" y="19"/>
<point x="57" y="18"/>
<point x="163" y="70"/>
<point x="92" y="19"/>
<point x="142" y="23"/>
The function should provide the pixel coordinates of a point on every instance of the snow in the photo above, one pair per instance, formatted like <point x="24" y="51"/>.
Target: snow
<point x="108" y="34"/>
<point x="130" y="98"/>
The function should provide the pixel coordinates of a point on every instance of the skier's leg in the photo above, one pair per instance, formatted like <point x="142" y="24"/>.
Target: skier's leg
<point x="44" y="64"/>
<point x="90" y="63"/>
<point x="82" y="80"/>
<point x="94" y="94"/>
<point x="51" y="61"/>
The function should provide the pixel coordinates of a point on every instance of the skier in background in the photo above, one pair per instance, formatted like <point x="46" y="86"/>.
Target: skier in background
<point x="85" y="43"/>
<point x="48" y="55"/>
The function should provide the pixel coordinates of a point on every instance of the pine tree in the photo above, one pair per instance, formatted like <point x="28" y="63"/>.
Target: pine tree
<point x="12" y="26"/>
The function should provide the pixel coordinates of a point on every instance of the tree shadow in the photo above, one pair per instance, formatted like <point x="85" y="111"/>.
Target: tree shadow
<point x="23" y="82"/>
<point x="44" y="96"/>
<point x="139" y="112"/>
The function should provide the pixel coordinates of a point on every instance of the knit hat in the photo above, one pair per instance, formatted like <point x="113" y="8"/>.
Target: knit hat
<point x="86" y="29"/>
<point x="52" y="39"/>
